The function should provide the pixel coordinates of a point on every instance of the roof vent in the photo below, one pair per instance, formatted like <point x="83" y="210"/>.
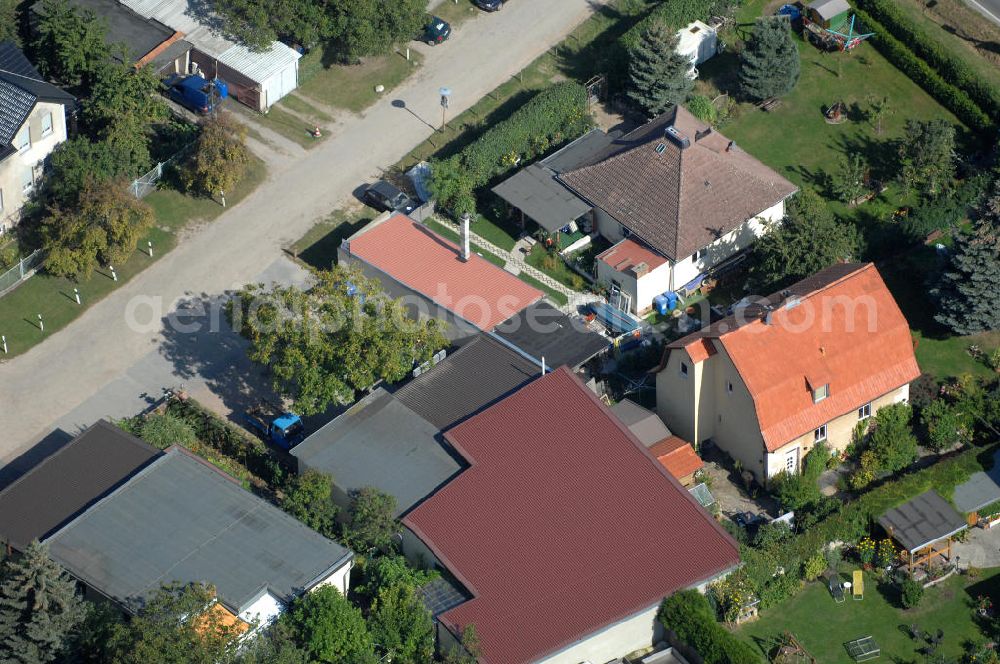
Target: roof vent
<point x="702" y="133"/>
<point x="768" y="315"/>
<point x="677" y="137"/>
<point x="660" y="148"/>
<point x="731" y="147"/>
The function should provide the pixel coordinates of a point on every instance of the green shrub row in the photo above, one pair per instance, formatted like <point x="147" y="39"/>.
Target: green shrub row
<point x="675" y="14"/>
<point x="549" y="118"/>
<point x="921" y="73"/>
<point x="955" y="70"/>
<point x="231" y="442"/>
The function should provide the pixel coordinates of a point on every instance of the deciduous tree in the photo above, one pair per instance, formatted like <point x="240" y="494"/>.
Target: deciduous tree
<point x="452" y="186"/>
<point x="103" y="229"/>
<point x="9" y="21"/>
<point x="848" y="181"/>
<point x="80" y="160"/>
<point x="370" y="27"/>
<point x="879" y="108"/>
<point x="124" y="98"/>
<point x="769" y="64"/>
<point x="309" y="499"/>
<point x="402" y="625"/>
<point x="807" y="240"/>
<point x="331" y="628"/>
<point x="968" y="294"/>
<point x="927" y="155"/>
<point x="39" y="608"/>
<point x="658" y="74"/>
<point x="373" y="525"/>
<point x="324" y="344"/>
<point x="891" y="440"/>
<point x="220" y="159"/>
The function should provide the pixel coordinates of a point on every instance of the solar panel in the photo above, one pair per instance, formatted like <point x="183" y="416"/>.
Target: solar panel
<point x="441" y="595"/>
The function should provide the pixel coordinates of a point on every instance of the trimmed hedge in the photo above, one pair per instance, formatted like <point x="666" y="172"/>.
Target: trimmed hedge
<point x="549" y="118"/>
<point x="674" y="14"/>
<point x="951" y="97"/>
<point x="953" y="69"/>
<point x="692" y="619"/>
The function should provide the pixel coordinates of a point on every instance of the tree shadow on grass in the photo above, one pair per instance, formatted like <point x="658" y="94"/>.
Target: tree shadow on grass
<point x="322" y="254"/>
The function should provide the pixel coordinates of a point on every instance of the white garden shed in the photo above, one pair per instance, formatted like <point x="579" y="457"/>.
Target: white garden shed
<point x="699" y="41"/>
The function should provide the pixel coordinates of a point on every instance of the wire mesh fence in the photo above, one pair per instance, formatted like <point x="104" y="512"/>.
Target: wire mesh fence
<point x="21" y="272"/>
<point x="146" y="183"/>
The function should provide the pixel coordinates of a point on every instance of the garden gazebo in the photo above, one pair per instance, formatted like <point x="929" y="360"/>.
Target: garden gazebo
<point x="924" y="528"/>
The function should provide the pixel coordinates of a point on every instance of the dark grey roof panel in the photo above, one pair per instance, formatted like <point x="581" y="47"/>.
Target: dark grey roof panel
<point x="15" y="106"/>
<point x="644" y="424"/>
<point x="478" y="375"/>
<point x="541" y="330"/>
<point x="67" y="482"/>
<point x="21" y="87"/>
<point x="922" y="521"/>
<point x="535" y="192"/>
<point x="583" y="151"/>
<point x="442" y="594"/>
<point x="181" y="520"/>
<point x="380" y="442"/>
<point x="140" y="35"/>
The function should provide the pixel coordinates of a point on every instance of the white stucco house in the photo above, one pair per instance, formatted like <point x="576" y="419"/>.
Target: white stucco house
<point x="33" y="116"/>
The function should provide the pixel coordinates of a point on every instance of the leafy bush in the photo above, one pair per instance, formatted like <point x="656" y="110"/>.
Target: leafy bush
<point x="165" y="430"/>
<point x="330" y="627"/>
<point x="813" y="567"/>
<point x="308" y="497"/>
<point x="892" y="440"/>
<point x="921" y="73"/>
<point x="953" y="69"/>
<point x="910" y="592"/>
<point x="947" y="425"/>
<point x="702" y="108"/>
<point x="690" y="616"/>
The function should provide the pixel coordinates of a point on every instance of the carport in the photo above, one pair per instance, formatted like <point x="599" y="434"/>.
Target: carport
<point x="924" y="527"/>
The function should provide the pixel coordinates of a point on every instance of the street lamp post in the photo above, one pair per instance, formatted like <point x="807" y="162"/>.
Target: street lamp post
<point x="445" y="94"/>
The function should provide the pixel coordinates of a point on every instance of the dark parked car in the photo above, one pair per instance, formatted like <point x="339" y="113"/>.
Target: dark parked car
<point x="436" y="31"/>
<point x="489" y="5"/>
<point x="384" y="196"/>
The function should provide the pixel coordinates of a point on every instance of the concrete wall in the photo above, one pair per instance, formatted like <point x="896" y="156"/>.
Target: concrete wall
<point x="607" y="226"/>
<point x="650" y="285"/>
<point x="838" y="432"/>
<point x="639" y="631"/>
<point x="678" y="397"/>
<point x="17" y="166"/>
<point x="340" y="578"/>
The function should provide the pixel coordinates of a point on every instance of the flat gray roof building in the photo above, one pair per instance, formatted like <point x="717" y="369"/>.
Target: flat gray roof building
<point x="181" y="520"/>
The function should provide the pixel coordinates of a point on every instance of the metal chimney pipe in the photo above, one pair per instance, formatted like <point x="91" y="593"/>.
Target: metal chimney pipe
<point x="543" y="365"/>
<point x="466" y="219"/>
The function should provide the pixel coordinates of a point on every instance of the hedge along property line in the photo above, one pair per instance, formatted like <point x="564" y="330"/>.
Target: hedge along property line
<point x="854" y="519"/>
<point x="921" y="73"/>
<point x="950" y="67"/>
<point x="549" y="118"/>
<point x="674" y="14"/>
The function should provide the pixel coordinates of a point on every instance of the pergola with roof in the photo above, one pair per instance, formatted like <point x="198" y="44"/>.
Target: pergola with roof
<point x="924" y="527"/>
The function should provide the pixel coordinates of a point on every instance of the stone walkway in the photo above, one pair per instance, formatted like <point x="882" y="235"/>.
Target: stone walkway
<point x="515" y="264"/>
<point x="981" y="549"/>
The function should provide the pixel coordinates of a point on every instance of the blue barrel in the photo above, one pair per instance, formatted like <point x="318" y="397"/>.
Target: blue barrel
<point x="671" y="300"/>
<point x="661" y="304"/>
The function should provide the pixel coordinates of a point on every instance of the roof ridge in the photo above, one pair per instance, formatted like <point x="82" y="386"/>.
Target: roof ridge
<point x="30" y="78"/>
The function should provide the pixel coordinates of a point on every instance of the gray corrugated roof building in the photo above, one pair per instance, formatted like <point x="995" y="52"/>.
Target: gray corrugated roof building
<point x="181" y="520"/>
<point x="644" y="424"/>
<point x="541" y="330"/>
<point x="924" y="520"/>
<point x="67" y="482"/>
<point x="380" y="442"/>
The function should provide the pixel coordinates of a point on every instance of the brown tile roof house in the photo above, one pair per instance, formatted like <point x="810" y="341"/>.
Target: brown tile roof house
<point x="678" y="184"/>
<point x="563" y="526"/>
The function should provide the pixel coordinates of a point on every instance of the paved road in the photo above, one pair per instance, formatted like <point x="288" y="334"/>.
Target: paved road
<point x="988" y="8"/>
<point x="103" y="366"/>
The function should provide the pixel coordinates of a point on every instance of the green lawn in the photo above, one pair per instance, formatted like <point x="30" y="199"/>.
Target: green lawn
<point x="352" y="87"/>
<point x="318" y="247"/>
<point x="288" y="125"/>
<point x="552" y="294"/>
<point x="823" y="626"/>
<point x="53" y="296"/>
<point x="554" y="266"/>
<point x="457" y="12"/>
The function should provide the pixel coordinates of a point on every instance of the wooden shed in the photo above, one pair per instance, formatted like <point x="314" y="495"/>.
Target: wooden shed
<point x="828" y="13"/>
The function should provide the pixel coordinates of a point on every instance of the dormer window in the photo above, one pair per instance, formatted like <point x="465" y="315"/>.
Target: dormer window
<point x="821" y="392"/>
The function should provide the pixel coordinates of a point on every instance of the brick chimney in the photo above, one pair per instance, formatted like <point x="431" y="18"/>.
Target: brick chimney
<point x="466" y="220"/>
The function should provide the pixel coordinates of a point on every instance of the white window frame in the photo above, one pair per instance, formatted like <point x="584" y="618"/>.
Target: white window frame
<point x="26" y="133"/>
<point x="29" y="184"/>
<point x="47" y="131"/>
<point x="792" y="462"/>
<point x="1" y="202"/>
<point x="865" y="411"/>
<point x="820" y="434"/>
<point x="821" y="392"/>
<point x="684" y="369"/>
<point x="698" y="255"/>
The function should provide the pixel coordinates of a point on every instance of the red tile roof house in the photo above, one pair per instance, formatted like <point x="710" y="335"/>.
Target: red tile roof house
<point x="565" y="531"/>
<point x="678" y="198"/>
<point x="776" y="377"/>
<point x="429" y="272"/>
